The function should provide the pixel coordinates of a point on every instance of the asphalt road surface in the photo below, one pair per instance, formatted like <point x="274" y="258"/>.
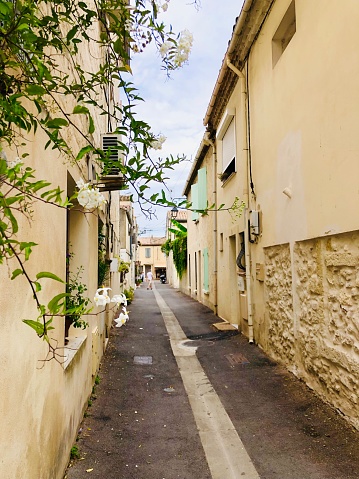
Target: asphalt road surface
<point x="178" y="399"/>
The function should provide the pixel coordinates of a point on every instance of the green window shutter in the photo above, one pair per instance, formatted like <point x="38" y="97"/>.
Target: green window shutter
<point x="205" y="270"/>
<point x="194" y="198"/>
<point x="202" y="188"/>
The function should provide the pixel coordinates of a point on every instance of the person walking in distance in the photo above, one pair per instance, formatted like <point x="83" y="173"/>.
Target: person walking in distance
<point x="149" y="279"/>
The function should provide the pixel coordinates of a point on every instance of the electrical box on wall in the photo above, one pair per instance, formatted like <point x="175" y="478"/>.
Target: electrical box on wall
<point x="260" y="271"/>
<point x="240" y="283"/>
<point x="254" y="222"/>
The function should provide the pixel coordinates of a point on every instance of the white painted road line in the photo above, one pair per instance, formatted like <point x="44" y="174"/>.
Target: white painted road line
<point x="225" y="453"/>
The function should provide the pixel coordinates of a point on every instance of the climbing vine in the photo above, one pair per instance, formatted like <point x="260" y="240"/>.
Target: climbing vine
<point x="178" y="246"/>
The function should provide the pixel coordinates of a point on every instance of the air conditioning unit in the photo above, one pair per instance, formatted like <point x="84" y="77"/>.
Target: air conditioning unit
<point x="111" y="178"/>
<point x="110" y="142"/>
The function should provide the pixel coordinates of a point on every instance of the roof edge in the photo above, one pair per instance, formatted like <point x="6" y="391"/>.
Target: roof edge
<point x="239" y="36"/>
<point x="201" y="153"/>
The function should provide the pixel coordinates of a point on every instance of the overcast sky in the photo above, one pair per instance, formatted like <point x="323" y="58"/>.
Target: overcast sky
<point x="176" y="107"/>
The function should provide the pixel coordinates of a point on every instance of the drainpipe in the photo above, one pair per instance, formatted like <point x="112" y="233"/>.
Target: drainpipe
<point x="246" y="195"/>
<point x="215" y="241"/>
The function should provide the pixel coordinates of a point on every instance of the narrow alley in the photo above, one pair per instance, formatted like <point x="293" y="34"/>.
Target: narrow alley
<point x="179" y="399"/>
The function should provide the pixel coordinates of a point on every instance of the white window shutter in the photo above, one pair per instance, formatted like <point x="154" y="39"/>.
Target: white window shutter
<point x="228" y="146"/>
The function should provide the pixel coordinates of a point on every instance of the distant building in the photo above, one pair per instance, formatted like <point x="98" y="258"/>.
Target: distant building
<point x="150" y="256"/>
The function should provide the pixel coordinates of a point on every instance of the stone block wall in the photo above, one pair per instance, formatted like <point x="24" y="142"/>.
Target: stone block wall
<point x="279" y="303"/>
<point x="313" y="324"/>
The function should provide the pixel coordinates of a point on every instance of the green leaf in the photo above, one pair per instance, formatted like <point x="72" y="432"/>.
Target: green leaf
<point x="46" y="274"/>
<point x="3" y="167"/>
<point x="7" y="212"/>
<point x="80" y="109"/>
<point x="37" y="285"/>
<point x="39" y="184"/>
<point x="27" y="251"/>
<point x="27" y="244"/>
<point x="35" y="90"/>
<point x="91" y="125"/>
<point x="4" y="8"/>
<point x="16" y="273"/>
<point x="12" y="199"/>
<point x="54" y="305"/>
<point x="83" y="151"/>
<point x="47" y="325"/>
<point x="117" y="46"/>
<point x="72" y="33"/>
<point x="57" y="123"/>
<point x="35" y="325"/>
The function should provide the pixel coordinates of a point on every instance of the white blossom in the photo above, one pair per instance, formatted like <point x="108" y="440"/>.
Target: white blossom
<point x="122" y="318"/>
<point x="13" y="163"/>
<point x="158" y="142"/>
<point x="103" y="298"/>
<point x="184" y="46"/>
<point x="81" y="184"/>
<point x="119" y="299"/>
<point x="165" y="47"/>
<point x="89" y="197"/>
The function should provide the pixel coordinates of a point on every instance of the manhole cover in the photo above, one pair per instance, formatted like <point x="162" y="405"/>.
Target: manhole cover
<point x="237" y="358"/>
<point x="142" y="359"/>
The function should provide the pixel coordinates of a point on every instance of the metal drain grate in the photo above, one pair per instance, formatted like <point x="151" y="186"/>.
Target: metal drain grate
<point x="142" y="359"/>
<point x="237" y="358"/>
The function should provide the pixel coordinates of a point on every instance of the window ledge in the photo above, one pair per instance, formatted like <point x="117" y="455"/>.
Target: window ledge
<point x="71" y="349"/>
<point x="228" y="179"/>
<point x="205" y="291"/>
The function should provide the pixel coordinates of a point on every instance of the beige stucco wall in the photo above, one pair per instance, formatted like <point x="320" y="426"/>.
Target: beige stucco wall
<point x="42" y="403"/>
<point x="201" y="235"/>
<point x="304" y="113"/>
<point x="232" y="287"/>
<point x="304" y="267"/>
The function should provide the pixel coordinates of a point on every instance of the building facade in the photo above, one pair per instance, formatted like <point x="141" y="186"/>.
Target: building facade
<point x="150" y="256"/>
<point x="281" y="139"/>
<point x="46" y="386"/>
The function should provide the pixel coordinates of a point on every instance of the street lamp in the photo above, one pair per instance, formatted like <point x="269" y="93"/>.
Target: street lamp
<point x="174" y="213"/>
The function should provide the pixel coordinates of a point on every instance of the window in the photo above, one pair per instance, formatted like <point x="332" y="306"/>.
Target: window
<point x="229" y="150"/>
<point x="284" y="33"/>
<point x="205" y="271"/>
<point x="147" y="252"/>
<point x="226" y="133"/>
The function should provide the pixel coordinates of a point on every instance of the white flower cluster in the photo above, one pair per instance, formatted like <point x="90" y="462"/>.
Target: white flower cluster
<point x="88" y="196"/>
<point x="161" y="6"/>
<point x="102" y="298"/>
<point x="158" y="142"/>
<point x="181" y="50"/>
<point x="184" y="46"/>
<point x="13" y="163"/>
